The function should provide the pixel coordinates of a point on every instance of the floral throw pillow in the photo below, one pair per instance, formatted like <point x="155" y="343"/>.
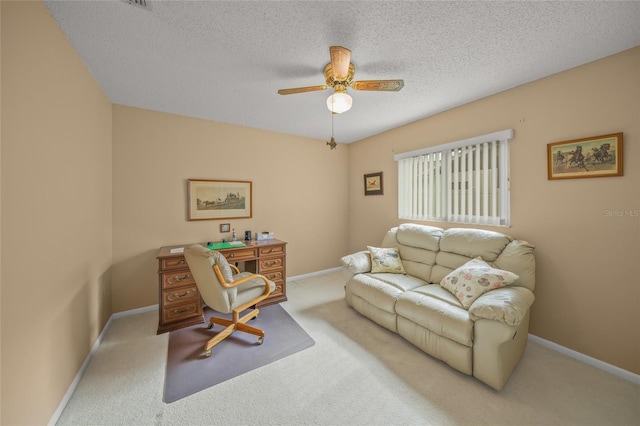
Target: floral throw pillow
<point x="475" y="278"/>
<point x="385" y="260"/>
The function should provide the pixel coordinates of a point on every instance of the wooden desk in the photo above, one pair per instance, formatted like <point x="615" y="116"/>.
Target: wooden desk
<point x="178" y="295"/>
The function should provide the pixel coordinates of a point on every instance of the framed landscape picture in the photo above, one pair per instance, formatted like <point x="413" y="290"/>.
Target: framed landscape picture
<point x="598" y="156"/>
<point x="219" y="199"/>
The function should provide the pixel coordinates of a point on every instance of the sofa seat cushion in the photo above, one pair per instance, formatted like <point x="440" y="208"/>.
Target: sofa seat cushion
<point x="438" y="312"/>
<point x="382" y="290"/>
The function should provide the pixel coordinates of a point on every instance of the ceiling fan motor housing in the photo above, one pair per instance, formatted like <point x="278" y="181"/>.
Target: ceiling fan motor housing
<point x="332" y="79"/>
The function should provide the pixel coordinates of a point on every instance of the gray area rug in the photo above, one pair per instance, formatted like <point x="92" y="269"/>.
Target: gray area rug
<point x="189" y="371"/>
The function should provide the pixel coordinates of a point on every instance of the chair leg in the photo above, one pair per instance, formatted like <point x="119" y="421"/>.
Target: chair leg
<point x="250" y="329"/>
<point x="220" y="321"/>
<point x="237" y="323"/>
<point x="218" y="338"/>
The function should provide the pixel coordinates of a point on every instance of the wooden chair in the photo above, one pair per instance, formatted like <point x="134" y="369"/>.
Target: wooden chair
<point x="225" y="289"/>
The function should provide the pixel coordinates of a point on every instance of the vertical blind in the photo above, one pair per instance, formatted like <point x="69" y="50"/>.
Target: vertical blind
<point x="465" y="181"/>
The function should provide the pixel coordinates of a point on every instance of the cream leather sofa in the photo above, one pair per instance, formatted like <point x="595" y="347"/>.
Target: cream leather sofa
<point x="486" y="339"/>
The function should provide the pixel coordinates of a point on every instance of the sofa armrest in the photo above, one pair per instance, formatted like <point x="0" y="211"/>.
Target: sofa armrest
<point x="508" y="305"/>
<point x="357" y="263"/>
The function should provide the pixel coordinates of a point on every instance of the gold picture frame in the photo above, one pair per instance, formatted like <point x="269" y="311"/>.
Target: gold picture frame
<point x="373" y="184"/>
<point x="219" y="199"/>
<point x="597" y="156"/>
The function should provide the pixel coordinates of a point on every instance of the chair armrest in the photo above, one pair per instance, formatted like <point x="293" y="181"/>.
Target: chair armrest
<point x="508" y="305"/>
<point x="357" y="263"/>
<point x="243" y="280"/>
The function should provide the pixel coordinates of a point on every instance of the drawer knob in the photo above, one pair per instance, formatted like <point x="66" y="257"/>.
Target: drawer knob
<point x="182" y="262"/>
<point x="182" y="278"/>
<point x="232" y="255"/>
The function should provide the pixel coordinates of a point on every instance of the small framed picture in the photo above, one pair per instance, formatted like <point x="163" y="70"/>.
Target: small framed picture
<point x="373" y="184"/>
<point x="597" y="156"/>
<point x="225" y="227"/>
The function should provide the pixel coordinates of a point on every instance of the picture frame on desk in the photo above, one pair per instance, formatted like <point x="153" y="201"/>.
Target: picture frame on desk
<point x="219" y="199"/>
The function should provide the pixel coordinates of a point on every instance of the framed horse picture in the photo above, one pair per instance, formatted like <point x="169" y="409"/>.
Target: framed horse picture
<point x="373" y="184"/>
<point x="219" y="199"/>
<point x="597" y="156"/>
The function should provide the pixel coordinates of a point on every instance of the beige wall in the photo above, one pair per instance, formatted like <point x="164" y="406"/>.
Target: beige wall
<point x="299" y="193"/>
<point x="56" y="213"/>
<point x="588" y="269"/>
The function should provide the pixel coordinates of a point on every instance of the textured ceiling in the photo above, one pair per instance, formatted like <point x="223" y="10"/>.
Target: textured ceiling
<point x="225" y="60"/>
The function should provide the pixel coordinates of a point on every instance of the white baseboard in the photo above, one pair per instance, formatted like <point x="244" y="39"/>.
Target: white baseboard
<point x="314" y="274"/>
<point x="135" y="311"/>
<point x="74" y="384"/>
<point x="612" y="369"/>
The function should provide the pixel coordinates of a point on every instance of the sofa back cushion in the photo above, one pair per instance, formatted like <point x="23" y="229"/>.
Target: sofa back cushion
<point x="418" y="247"/>
<point x="459" y="245"/>
<point x="430" y="253"/>
<point x="518" y="258"/>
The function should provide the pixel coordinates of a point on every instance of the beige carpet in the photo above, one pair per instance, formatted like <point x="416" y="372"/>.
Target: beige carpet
<point x="356" y="374"/>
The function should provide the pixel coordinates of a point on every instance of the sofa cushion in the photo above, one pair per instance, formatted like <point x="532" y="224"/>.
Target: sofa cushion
<point x="518" y="258"/>
<point x="475" y="278"/>
<point x="385" y="259"/>
<point x="420" y="236"/>
<point x="440" y="317"/>
<point x="440" y="293"/>
<point x="382" y="290"/>
<point x="474" y="242"/>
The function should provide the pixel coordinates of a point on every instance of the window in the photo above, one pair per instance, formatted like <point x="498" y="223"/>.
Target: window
<point x="465" y="181"/>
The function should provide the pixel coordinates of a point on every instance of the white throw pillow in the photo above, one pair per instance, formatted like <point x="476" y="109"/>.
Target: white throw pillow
<point x="475" y="278"/>
<point x="385" y="260"/>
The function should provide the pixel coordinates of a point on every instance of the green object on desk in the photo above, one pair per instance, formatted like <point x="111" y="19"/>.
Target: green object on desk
<point x="217" y="246"/>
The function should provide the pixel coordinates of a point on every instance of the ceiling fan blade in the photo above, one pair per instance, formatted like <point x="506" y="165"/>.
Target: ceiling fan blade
<point x="340" y="60"/>
<point x="301" y="90"/>
<point x="382" y="85"/>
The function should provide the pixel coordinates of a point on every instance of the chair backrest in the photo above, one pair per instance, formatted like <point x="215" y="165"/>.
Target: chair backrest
<point x="201" y="260"/>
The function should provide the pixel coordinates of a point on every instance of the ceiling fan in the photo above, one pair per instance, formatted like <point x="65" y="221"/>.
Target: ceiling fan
<point x="339" y="75"/>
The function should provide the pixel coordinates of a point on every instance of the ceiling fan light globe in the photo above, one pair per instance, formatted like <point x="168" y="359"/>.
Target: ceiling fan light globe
<point x="339" y="103"/>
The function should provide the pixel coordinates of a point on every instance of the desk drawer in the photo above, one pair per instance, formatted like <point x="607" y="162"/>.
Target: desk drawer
<point x="240" y="254"/>
<point x="177" y="279"/>
<point x="265" y="251"/>
<point x="180" y="295"/>
<point x="274" y="275"/>
<point x="171" y="263"/>
<point x="180" y="312"/>
<point x="271" y="264"/>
